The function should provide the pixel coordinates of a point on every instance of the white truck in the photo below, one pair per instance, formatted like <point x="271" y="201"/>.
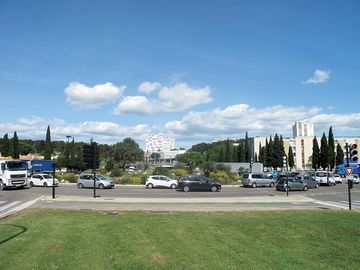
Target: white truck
<point x="325" y="178"/>
<point x="13" y="173"/>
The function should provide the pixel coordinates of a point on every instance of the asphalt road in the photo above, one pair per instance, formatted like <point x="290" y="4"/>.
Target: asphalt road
<point x="232" y="198"/>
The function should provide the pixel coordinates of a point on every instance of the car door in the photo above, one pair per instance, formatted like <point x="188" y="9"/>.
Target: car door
<point x="163" y="181"/>
<point x="88" y="180"/>
<point x="37" y="180"/>
<point x="203" y="183"/>
<point x="298" y="184"/>
<point x="156" y="181"/>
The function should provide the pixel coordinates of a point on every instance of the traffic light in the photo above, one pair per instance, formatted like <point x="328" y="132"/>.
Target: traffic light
<point x="353" y="152"/>
<point x="350" y="183"/>
<point x="91" y="156"/>
<point x="284" y="162"/>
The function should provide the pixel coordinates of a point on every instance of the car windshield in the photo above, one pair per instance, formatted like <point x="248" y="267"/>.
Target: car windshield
<point x="16" y="165"/>
<point x="47" y="176"/>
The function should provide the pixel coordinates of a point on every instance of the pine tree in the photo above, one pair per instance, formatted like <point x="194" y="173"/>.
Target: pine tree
<point x="331" y="149"/>
<point x="315" y="155"/>
<point x="269" y="154"/>
<point x="277" y="152"/>
<point x="15" y="146"/>
<point x="234" y="155"/>
<point x="324" y="152"/>
<point x="48" y="147"/>
<point x="339" y="155"/>
<point x="241" y="152"/>
<point x="5" y="150"/>
<point x="291" y="158"/>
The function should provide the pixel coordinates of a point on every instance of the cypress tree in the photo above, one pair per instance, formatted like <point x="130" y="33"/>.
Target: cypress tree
<point x="48" y="148"/>
<point x="331" y="149"/>
<point x="5" y="150"/>
<point x="291" y="158"/>
<point x="246" y="148"/>
<point x="15" y="146"/>
<point x="315" y="155"/>
<point x="234" y="155"/>
<point x="269" y="154"/>
<point x="324" y="152"/>
<point x="339" y="155"/>
<point x="228" y="154"/>
<point x="278" y="152"/>
<point x="221" y="155"/>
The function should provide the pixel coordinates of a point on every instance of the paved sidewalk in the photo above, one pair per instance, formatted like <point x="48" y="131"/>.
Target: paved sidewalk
<point x="179" y="204"/>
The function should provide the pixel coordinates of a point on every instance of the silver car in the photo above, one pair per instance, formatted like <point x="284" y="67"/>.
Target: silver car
<point x="87" y="181"/>
<point x="257" y="180"/>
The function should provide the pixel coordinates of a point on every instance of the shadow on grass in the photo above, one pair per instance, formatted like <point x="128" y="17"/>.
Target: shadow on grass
<point x="23" y="229"/>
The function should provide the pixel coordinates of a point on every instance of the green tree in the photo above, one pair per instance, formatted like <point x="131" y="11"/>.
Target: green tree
<point x="315" y="155"/>
<point x="262" y="154"/>
<point x="127" y="152"/>
<point x="48" y="147"/>
<point x="241" y="152"/>
<point x="110" y="163"/>
<point x="221" y="157"/>
<point x="15" y="146"/>
<point x="277" y="152"/>
<point x="247" y="148"/>
<point x="331" y="146"/>
<point x="291" y="158"/>
<point x="208" y="167"/>
<point x="234" y="154"/>
<point x="339" y="155"/>
<point x="324" y="152"/>
<point x="269" y="153"/>
<point x="5" y="149"/>
<point x="228" y="154"/>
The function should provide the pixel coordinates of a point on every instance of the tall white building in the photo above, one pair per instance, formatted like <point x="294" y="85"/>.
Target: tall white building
<point x="159" y="142"/>
<point x="303" y="129"/>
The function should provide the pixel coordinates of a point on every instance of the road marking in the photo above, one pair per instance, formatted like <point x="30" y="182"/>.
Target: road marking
<point x="6" y="206"/>
<point x="1" y="202"/>
<point x="342" y="204"/>
<point x="19" y="207"/>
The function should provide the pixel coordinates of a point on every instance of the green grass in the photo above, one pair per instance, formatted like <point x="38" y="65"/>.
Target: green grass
<point x="65" y="239"/>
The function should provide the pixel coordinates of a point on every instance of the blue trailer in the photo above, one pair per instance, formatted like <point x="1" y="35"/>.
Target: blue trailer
<point x="41" y="166"/>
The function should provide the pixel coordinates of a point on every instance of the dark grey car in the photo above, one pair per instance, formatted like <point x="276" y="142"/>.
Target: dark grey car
<point x="309" y="180"/>
<point x="197" y="182"/>
<point x="257" y="180"/>
<point x="293" y="184"/>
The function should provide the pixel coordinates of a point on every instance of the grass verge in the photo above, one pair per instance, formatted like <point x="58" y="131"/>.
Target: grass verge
<point x="70" y="239"/>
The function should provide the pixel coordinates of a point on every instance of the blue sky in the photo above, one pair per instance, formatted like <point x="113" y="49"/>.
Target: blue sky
<point x="198" y="69"/>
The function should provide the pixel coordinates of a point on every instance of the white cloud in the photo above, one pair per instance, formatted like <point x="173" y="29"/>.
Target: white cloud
<point x="139" y="105"/>
<point x="148" y="87"/>
<point x="104" y="132"/>
<point x="176" y="98"/>
<point x="181" y="97"/>
<point x="320" y="76"/>
<point x="81" y="96"/>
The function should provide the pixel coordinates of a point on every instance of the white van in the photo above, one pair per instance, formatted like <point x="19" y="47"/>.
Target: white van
<point x="325" y="178"/>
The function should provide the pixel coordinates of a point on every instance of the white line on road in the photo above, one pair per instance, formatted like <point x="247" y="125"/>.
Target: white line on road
<point x="1" y="202"/>
<point x="9" y="205"/>
<point x="20" y="207"/>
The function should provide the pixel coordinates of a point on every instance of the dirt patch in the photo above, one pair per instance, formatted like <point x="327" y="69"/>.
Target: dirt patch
<point x="159" y="258"/>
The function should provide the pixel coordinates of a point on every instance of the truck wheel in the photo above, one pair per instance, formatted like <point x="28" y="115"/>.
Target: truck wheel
<point x="2" y="187"/>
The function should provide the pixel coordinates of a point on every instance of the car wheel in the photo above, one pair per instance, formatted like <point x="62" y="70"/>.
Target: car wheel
<point x="287" y="189"/>
<point x="1" y="186"/>
<point x="317" y="186"/>
<point x="150" y="186"/>
<point x="213" y="188"/>
<point x="32" y="184"/>
<point x="173" y="186"/>
<point x="305" y="188"/>
<point x="271" y="184"/>
<point x="45" y="184"/>
<point x="101" y="186"/>
<point x="253" y="185"/>
<point x="186" y="188"/>
<point x="80" y="186"/>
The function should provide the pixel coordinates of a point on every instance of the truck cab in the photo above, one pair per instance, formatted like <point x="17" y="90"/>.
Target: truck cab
<point x="13" y="174"/>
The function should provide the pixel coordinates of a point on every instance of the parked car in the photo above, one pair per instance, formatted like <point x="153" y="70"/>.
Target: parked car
<point x="87" y="181"/>
<point x="325" y="178"/>
<point x="309" y="180"/>
<point x="293" y="184"/>
<point x="160" y="181"/>
<point x="42" y="180"/>
<point x="197" y="182"/>
<point x="257" y="180"/>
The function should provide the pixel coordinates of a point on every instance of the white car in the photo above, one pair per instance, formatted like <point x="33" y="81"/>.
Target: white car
<point x="42" y="180"/>
<point x="354" y="178"/>
<point x="338" y="179"/>
<point x="160" y="181"/>
<point x="325" y="178"/>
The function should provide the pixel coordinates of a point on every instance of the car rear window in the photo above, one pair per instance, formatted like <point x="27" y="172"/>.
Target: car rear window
<point x="246" y="176"/>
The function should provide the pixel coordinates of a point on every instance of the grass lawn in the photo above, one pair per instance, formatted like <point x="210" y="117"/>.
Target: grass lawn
<point x="65" y="239"/>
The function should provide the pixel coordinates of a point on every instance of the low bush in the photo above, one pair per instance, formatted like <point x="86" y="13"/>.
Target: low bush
<point x="69" y="177"/>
